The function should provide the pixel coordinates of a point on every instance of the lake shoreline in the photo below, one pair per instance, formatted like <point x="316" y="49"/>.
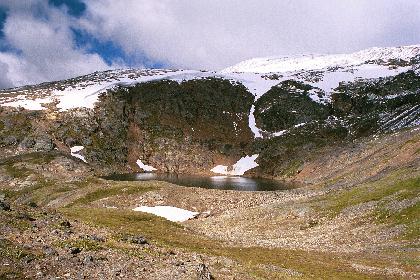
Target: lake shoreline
<point x="222" y="182"/>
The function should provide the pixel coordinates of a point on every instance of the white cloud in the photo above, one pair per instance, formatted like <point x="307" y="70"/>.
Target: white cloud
<point x="5" y="82"/>
<point x="43" y="48"/>
<point x="218" y="33"/>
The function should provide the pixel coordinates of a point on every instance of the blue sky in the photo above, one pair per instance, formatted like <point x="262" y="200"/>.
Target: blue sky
<point x="43" y="40"/>
<point x="3" y="15"/>
<point x="75" y="7"/>
<point x="110" y="51"/>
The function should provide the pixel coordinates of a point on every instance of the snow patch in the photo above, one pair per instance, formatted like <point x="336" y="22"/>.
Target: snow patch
<point x="74" y="151"/>
<point x="300" y="124"/>
<point x="252" y="124"/>
<point x="28" y="104"/>
<point x="79" y="98"/>
<point x="239" y="168"/>
<point x="280" y="133"/>
<point x="170" y="213"/>
<point x="145" y="167"/>
<point x="255" y="84"/>
<point x="331" y="80"/>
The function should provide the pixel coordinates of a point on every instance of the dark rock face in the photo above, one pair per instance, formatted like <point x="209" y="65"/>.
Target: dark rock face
<point x="15" y="125"/>
<point x="181" y="127"/>
<point x="75" y="250"/>
<point x="65" y="224"/>
<point x="288" y="104"/>
<point x="175" y="127"/>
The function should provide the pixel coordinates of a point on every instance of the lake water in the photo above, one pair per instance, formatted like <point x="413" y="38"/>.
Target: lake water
<point x="211" y="182"/>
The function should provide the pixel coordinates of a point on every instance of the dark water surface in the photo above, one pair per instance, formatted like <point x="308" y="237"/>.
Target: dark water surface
<point x="213" y="182"/>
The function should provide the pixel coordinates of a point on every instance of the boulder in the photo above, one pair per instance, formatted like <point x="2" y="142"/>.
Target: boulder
<point x="10" y="140"/>
<point x="4" y="205"/>
<point x="27" y="143"/>
<point x="203" y="272"/>
<point x="44" y="143"/>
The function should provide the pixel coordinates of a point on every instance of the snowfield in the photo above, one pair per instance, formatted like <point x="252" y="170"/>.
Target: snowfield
<point x="170" y="213"/>
<point x="316" y="62"/>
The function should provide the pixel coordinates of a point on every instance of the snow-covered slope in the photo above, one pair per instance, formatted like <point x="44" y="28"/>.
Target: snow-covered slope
<point x="324" y="72"/>
<point x="83" y="92"/>
<point x="317" y="62"/>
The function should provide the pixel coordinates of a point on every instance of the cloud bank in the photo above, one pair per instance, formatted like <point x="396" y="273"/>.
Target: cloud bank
<point x="40" y="41"/>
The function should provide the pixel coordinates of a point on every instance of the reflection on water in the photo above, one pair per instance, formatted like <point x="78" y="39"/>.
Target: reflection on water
<point x="239" y="183"/>
<point x="213" y="182"/>
<point x="145" y="176"/>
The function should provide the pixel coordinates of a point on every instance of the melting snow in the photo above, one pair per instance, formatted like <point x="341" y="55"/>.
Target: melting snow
<point x="239" y="168"/>
<point x="79" y="98"/>
<point x="145" y="167"/>
<point x="74" y="151"/>
<point x="280" y="133"/>
<point x="300" y="124"/>
<point x="170" y="213"/>
<point x="252" y="124"/>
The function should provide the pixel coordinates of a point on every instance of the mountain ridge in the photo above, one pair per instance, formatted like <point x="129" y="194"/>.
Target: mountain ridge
<point x="254" y="112"/>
